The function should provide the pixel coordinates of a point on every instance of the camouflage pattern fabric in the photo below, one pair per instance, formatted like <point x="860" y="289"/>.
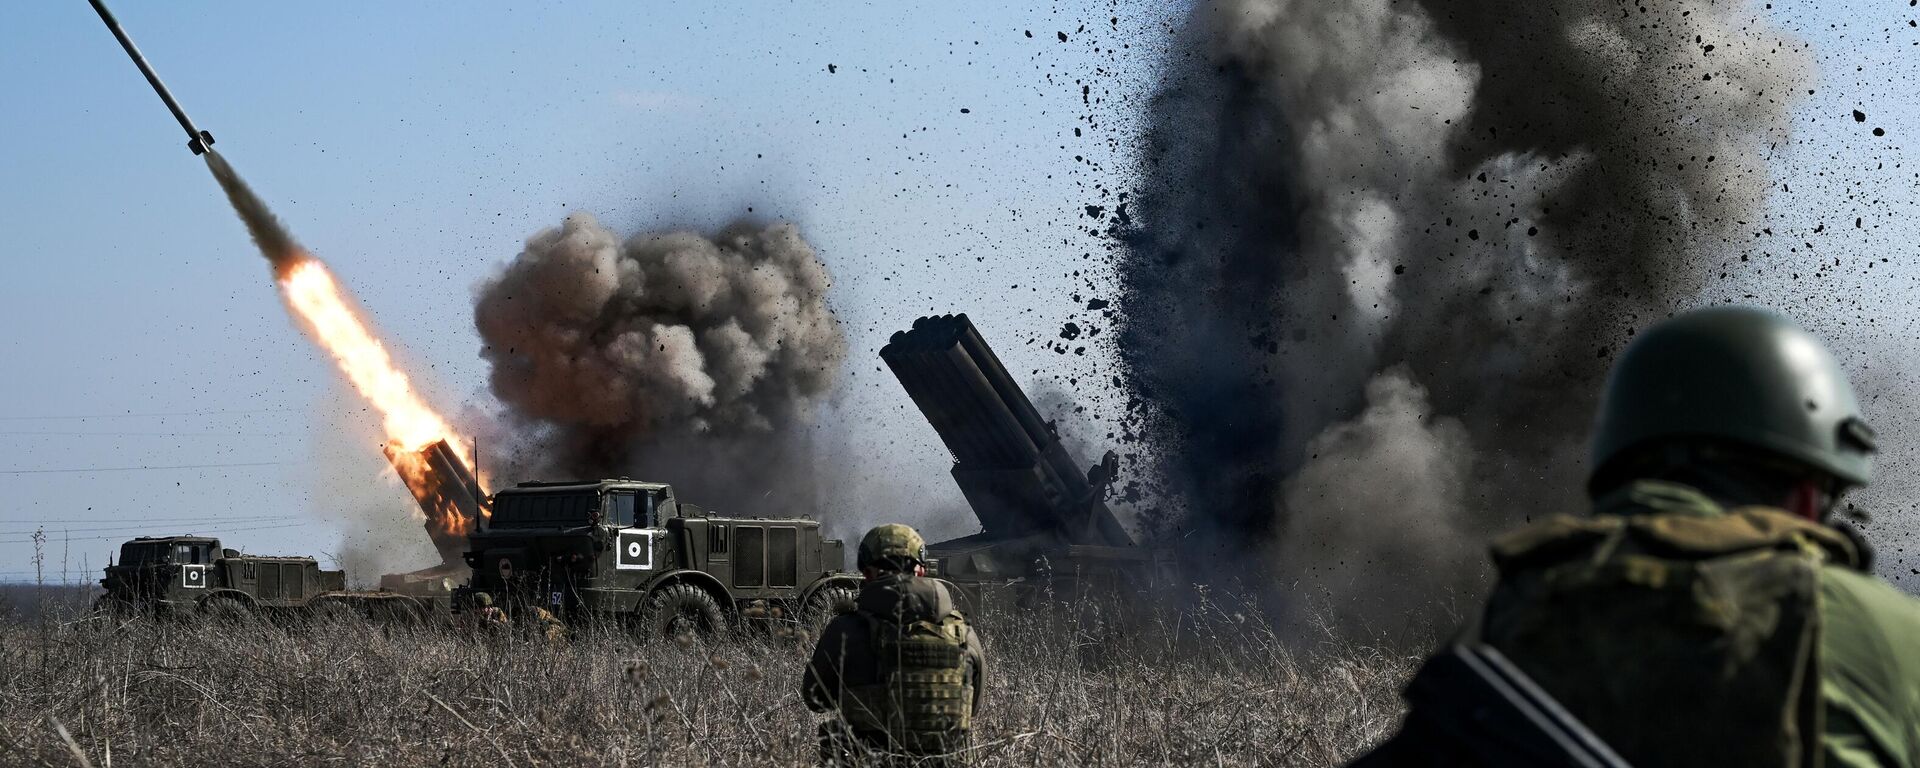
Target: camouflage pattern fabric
<point x="892" y="543"/>
<point x="902" y="672"/>
<point x="1683" y="633"/>
<point x="550" y="627"/>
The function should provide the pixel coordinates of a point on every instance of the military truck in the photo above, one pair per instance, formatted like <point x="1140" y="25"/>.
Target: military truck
<point x="631" y="552"/>
<point x="186" y="575"/>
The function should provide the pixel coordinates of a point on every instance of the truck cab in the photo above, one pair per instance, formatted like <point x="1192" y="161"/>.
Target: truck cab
<point x="626" y="547"/>
<point x="161" y="572"/>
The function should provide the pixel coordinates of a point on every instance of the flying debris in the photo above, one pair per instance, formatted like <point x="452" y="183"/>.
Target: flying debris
<point x="197" y="140"/>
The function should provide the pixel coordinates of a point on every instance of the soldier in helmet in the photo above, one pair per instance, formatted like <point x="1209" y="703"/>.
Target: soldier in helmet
<point x="483" y="615"/>
<point x="901" y="671"/>
<point x="1707" y="612"/>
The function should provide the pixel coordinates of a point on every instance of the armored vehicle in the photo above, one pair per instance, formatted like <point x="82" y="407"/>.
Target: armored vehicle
<point x="173" y="575"/>
<point x="632" y="552"/>
<point x="1044" y="520"/>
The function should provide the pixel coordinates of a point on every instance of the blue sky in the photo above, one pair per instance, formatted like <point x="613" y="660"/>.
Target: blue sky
<point x="415" y="146"/>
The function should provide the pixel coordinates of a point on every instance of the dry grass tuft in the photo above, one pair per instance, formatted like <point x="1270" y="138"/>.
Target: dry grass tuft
<point x="1206" y="686"/>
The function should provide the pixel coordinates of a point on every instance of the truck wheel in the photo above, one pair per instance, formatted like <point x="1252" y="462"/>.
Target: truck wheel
<point x="226" y="610"/>
<point x="396" y="609"/>
<point x="681" y="609"/>
<point x="826" y="603"/>
<point x="329" y="608"/>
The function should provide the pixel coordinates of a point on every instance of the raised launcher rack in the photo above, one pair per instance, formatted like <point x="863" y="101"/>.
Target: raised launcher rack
<point x="446" y="488"/>
<point x="1045" y="520"/>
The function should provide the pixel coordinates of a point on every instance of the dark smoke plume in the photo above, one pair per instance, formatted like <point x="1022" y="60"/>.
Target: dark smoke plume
<point x="268" y="233"/>
<point x="672" y="356"/>
<point x="1387" y="250"/>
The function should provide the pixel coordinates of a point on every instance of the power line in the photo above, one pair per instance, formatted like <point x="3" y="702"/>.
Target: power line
<point x="57" y="532"/>
<point x="139" y="469"/>
<point x="51" y="539"/>
<point x="207" y="412"/>
<point x="152" y="434"/>
<point x="54" y="522"/>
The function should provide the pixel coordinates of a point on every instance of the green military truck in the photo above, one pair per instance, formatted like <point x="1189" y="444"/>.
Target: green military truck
<point x="185" y="575"/>
<point x="630" y="551"/>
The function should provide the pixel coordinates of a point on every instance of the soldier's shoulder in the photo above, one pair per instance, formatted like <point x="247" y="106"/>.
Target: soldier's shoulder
<point x="1855" y="602"/>
<point x="1868" y="663"/>
<point x="843" y="625"/>
<point x="938" y="586"/>
<point x="925" y="588"/>
<point x="943" y="600"/>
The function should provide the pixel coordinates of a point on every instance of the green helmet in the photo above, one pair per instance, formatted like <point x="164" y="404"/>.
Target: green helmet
<point x="892" y="540"/>
<point x="1736" y="374"/>
<point x="483" y="600"/>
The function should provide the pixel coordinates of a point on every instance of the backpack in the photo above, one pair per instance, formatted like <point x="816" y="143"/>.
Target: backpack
<point x="1679" y="639"/>
<point x="923" y="701"/>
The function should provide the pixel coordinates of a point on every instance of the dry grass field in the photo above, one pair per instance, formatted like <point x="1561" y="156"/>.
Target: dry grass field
<point x="1208" y="686"/>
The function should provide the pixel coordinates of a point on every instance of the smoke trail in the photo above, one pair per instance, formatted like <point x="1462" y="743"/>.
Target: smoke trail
<point x="330" y="317"/>
<point x="1456" y="211"/>
<point x="268" y="233"/>
<point x="672" y="355"/>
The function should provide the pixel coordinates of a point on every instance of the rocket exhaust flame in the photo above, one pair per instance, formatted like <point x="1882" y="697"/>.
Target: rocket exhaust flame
<point x="421" y="446"/>
<point x="445" y="490"/>
<point x="318" y="301"/>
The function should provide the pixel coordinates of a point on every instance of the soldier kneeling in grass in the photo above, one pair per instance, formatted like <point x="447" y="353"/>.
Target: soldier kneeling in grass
<point x="902" y="670"/>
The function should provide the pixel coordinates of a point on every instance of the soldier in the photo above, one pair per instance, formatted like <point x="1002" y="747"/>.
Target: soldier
<point x="1705" y="613"/>
<point x="902" y="671"/>
<point x="484" y="616"/>
<point x="551" y="629"/>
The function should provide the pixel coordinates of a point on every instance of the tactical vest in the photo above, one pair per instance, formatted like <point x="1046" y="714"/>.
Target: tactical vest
<point x="923" y="703"/>
<point x="1680" y="639"/>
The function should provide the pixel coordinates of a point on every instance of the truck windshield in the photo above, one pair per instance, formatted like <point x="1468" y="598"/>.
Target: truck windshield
<point x="632" y="510"/>
<point x="544" y="510"/>
<point x="142" y="554"/>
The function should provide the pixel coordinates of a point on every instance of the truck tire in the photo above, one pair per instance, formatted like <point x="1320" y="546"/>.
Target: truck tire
<point x="331" y="608"/>
<point x="826" y="603"/>
<point x="225" y="609"/>
<point x="681" y="609"/>
<point x="395" y="609"/>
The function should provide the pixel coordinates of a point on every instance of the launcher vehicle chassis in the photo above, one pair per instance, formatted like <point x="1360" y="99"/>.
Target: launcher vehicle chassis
<point x="630" y="552"/>
<point x="194" y="575"/>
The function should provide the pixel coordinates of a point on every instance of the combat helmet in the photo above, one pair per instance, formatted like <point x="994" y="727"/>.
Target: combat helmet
<point x="892" y="545"/>
<point x="1735" y="374"/>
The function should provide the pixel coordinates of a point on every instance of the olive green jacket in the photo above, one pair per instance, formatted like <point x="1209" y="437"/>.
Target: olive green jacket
<point x="1868" y="633"/>
<point x="845" y="658"/>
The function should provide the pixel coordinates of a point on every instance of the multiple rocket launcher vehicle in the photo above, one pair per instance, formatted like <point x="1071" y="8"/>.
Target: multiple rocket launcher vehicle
<point x="1045" y="522"/>
<point x="633" y="551"/>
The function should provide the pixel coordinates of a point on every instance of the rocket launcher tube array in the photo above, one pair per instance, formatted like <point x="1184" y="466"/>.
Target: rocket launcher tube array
<point x="1009" y="463"/>
<point x="445" y="487"/>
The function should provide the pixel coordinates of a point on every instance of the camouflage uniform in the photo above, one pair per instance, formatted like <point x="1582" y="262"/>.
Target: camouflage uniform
<point x="550" y="627"/>
<point x="1685" y="622"/>
<point x="484" y="616"/>
<point x="1607" y="613"/>
<point x="902" y="671"/>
